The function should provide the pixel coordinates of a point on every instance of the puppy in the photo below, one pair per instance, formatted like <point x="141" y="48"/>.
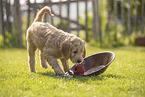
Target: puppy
<point x="53" y="44"/>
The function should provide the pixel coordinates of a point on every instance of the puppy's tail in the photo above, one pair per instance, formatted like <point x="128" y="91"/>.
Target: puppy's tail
<point x="40" y="14"/>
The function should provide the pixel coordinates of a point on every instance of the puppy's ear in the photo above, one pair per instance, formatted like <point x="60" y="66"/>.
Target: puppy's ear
<point x="84" y="53"/>
<point x="65" y="49"/>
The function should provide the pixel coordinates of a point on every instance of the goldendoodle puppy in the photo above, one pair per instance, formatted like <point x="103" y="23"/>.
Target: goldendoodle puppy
<point x="53" y="44"/>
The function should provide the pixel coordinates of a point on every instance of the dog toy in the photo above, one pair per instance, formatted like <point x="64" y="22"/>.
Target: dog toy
<point x="79" y="70"/>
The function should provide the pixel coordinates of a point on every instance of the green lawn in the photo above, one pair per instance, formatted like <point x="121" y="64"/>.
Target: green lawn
<point x="125" y="77"/>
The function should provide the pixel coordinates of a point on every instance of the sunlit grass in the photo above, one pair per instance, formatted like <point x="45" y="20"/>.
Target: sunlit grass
<point x="124" y="77"/>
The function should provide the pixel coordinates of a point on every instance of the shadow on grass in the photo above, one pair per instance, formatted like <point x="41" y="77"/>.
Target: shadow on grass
<point x="112" y="76"/>
<point x="83" y="78"/>
<point x="51" y="74"/>
<point x="100" y="77"/>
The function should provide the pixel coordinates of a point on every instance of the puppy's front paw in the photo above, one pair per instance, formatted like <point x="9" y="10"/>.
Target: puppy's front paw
<point x="67" y="74"/>
<point x="70" y="72"/>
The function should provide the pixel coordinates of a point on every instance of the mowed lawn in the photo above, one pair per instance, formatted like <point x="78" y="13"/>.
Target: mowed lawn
<point x="125" y="77"/>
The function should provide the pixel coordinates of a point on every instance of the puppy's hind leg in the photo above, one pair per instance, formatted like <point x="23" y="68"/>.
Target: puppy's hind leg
<point x="31" y="56"/>
<point x="43" y="63"/>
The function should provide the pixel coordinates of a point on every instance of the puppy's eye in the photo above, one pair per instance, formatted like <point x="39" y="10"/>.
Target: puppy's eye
<point x="75" y="52"/>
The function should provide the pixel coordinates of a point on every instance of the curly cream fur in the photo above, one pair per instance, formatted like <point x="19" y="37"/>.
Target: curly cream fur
<point x="53" y="44"/>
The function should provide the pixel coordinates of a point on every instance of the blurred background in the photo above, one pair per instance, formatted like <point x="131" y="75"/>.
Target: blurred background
<point x="102" y="23"/>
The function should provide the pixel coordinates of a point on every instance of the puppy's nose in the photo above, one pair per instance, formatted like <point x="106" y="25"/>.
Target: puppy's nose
<point x="79" y="61"/>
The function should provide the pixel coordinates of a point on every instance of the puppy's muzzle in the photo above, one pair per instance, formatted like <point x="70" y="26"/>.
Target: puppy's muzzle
<point x="79" y="61"/>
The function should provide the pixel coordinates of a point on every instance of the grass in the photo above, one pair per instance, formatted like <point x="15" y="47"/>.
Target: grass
<point x="125" y="77"/>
